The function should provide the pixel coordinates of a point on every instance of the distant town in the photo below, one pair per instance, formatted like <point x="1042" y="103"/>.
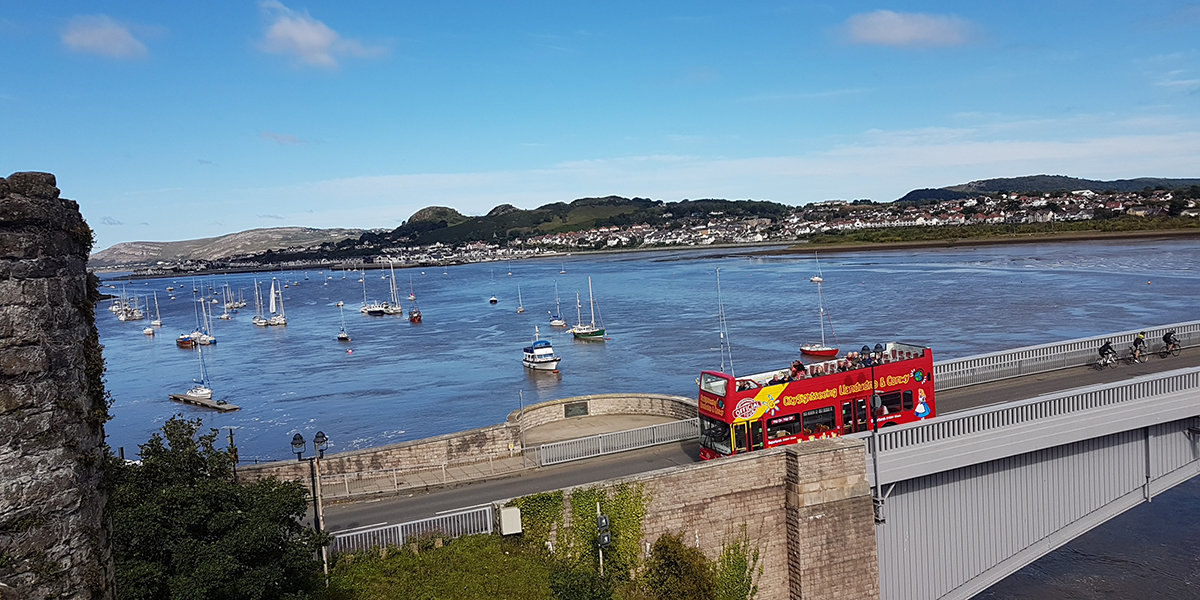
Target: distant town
<point x="717" y="227"/>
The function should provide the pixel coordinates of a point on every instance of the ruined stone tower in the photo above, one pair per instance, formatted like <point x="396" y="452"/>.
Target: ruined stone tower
<point x="53" y="538"/>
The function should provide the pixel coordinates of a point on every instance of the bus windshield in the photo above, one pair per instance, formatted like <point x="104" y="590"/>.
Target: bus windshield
<point x="712" y="384"/>
<point x="714" y="435"/>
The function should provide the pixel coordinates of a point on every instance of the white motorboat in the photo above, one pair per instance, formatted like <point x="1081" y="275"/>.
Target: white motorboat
<point x="540" y="355"/>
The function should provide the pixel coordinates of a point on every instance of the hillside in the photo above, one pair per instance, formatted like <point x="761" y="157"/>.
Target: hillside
<point x="252" y="241"/>
<point x="1051" y="183"/>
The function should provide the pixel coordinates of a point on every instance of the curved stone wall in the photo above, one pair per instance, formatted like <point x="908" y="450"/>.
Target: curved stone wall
<point x="494" y="440"/>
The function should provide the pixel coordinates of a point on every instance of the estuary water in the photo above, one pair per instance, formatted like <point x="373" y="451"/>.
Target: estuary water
<point x="461" y="367"/>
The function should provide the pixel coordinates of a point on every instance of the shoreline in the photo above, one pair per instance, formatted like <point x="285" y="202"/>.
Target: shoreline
<point x="761" y="249"/>
<point x="1031" y="238"/>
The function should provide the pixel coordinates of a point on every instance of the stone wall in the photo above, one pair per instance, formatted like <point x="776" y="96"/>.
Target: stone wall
<point x="676" y="407"/>
<point x="807" y="507"/>
<point x="53" y="543"/>
<point x="476" y="444"/>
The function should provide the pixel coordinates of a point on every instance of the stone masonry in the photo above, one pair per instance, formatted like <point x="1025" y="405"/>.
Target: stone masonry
<point x="497" y="441"/>
<point x="53" y="542"/>
<point x="806" y="506"/>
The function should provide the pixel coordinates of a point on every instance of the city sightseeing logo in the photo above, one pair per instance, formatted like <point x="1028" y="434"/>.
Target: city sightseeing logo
<point x="918" y="375"/>
<point x="749" y="409"/>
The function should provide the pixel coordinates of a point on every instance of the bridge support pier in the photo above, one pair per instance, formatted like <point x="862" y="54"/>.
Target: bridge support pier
<point x="832" y="551"/>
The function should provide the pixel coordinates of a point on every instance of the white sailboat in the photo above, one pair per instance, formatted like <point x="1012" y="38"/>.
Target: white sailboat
<point x="394" y="307"/>
<point x="258" y="319"/>
<point x="280" y="317"/>
<point x="157" y="322"/>
<point x="200" y="389"/>
<point x="556" y="319"/>
<point x="520" y="302"/>
<point x="588" y="331"/>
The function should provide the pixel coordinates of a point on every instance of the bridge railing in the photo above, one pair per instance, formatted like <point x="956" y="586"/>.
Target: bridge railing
<point x="457" y="524"/>
<point x="619" y="441"/>
<point x="983" y="368"/>
<point x="975" y="420"/>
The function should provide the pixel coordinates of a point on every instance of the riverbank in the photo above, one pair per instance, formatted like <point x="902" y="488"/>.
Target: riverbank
<point x="1027" y="238"/>
<point x="774" y="248"/>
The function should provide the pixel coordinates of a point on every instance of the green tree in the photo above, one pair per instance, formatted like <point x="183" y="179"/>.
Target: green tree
<point x="676" y="571"/>
<point x="183" y="529"/>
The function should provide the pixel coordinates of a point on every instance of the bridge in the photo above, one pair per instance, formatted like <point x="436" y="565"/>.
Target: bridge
<point x="1031" y="449"/>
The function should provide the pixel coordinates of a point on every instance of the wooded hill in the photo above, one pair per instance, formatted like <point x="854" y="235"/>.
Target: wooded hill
<point x="506" y="222"/>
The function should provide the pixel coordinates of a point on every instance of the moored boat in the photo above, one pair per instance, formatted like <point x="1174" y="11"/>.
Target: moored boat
<point x="587" y="331"/>
<point x="823" y="349"/>
<point x="540" y="355"/>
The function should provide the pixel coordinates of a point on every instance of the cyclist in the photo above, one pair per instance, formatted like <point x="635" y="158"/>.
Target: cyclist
<point x="1170" y="341"/>
<point x="1107" y="352"/>
<point x="1139" y="345"/>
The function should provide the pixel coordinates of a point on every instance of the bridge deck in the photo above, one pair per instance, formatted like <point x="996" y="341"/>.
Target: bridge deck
<point x="1029" y="386"/>
<point x="421" y="505"/>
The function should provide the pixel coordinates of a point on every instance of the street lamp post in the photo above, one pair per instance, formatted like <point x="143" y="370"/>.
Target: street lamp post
<point x="320" y="443"/>
<point x="876" y="403"/>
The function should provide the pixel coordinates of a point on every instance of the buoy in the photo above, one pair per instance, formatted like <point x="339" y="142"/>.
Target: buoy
<point x="1147" y="283"/>
<point x="349" y="352"/>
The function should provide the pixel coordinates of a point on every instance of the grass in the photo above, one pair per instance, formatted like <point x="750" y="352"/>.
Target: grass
<point x="480" y="567"/>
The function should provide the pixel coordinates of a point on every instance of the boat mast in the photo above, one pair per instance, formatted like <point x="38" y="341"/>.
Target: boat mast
<point x="592" y="302"/>
<point x="723" y="329"/>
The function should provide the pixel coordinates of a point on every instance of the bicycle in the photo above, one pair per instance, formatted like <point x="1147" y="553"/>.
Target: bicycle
<point x="1108" y="361"/>
<point x="1135" y="356"/>
<point x="1171" y="349"/>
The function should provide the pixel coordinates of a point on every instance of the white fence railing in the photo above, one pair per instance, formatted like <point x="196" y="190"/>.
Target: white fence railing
<point x="457" y="524"/>
<point x="620" y="441"/>
<point x="975" y="420"/>
<point x="983" y="368"/>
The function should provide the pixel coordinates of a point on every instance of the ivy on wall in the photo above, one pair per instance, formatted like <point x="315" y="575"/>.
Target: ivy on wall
<point x="625" y="506"/>
<point x="541" y="515"/>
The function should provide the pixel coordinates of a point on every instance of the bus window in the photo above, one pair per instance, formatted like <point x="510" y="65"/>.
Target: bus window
<point x="818" y="421"/>
<point x="783" y="426"/>
<point x="908" y="403"/>
<point x="891" y="403"/>
<point x="714" y="435"/>
<point x="756" y="435"/>
<point x="713" y="384"/>
<point x="847" y="418"/>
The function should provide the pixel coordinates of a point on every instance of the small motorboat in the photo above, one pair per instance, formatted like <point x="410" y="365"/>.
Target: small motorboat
<point x="148" y="331"/>
<point x="492" y="300"/>
<point x="540" y="356"/>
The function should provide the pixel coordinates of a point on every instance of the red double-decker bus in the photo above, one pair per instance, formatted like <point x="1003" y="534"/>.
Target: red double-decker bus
<point x="818" y="400"/>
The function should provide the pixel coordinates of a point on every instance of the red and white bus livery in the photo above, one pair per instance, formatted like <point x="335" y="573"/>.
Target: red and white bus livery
<point x="819" y="400"/>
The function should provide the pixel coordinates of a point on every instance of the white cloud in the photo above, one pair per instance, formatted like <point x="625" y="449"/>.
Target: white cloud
<point x="99" y="34"/>
<point x="887" y="28"/>
<point x="283" y="139"/>
<point x="111" y="221"/>
<point x="307" y="40"/>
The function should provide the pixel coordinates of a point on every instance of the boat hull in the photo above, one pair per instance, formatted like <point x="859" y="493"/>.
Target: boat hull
<point x="818" y="350"/>
<point x="542" y="365"/>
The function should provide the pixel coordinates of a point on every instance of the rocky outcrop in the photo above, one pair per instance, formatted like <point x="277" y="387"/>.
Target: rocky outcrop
<point x="53" y="542"/>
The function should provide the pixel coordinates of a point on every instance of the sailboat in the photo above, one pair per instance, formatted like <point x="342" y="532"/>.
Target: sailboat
<point x="258" y="319"/>
<point x="201" y="389"/>
<point x="280" y="317"/>
<point x="157" y="322"/>
<point x="556" y="319"/>
<point x="822" y="349"/>
<point x="342" y="336"/>
<point x="373" y="308"/>
<point x="412" y="293"/>
<point x="588" y="331"/>
<point x="394" y="307"/>
<point x="520" y="302"/>
<point x="540" y="355"/>
<point x="564" y="269"/>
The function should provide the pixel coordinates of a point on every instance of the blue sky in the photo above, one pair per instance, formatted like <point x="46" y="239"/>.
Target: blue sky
<point x="172" y="121"/>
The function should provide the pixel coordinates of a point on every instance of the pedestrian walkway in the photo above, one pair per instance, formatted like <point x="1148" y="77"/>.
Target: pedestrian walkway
<point x="352" y="486"/>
